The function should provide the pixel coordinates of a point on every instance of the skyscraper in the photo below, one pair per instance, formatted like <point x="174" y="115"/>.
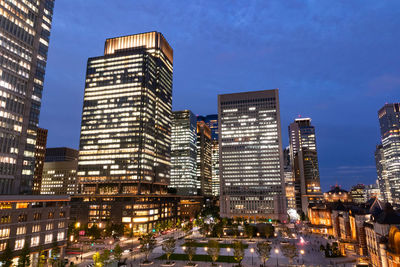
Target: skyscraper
<point x="212" y="122"/>
<point x="304" y="159"/>
<point x="125" y="141"/>
<point x="251" y="164"/>
<point x="184" y="153"/>
<point x="383" y="181"/>
<point x="389" y="120"/>
<point x="40" y="154"/>
<point x="204" y="159"/>
<point x="24" y="40"/>
<point x="126" y="119"/>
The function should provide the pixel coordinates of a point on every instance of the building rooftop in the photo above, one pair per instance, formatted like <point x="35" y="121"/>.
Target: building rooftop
<point x="33" y="198"/>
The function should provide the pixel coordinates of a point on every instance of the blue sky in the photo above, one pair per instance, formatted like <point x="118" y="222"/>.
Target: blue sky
<point x="334" y="61"/>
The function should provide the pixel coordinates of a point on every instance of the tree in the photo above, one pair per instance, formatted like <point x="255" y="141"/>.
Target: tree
<point x="249" y="230"/>
<point x="238" y="251"/>
<point x="188" y="227"/>
<point x="289" y="251"/>
<point x="94" y="232"/>
<point x="7" y="256"/>
<point x="54" y="257"/>
<point x="148" y="243"/>
<point x="190" y="249"/>
<point x="269" y="230"/>
<point x="168" y="246"/>
<point x="24" y="259"/>
<point x="97" y="260"/>
<point x="213" y="250"/>
<point x="117" y="252"/>
<point x="218" y="229"/>
<point x="263" y="250"/>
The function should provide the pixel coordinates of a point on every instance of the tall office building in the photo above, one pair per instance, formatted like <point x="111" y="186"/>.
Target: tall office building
<point x="40" y="154"/>
<point x="288" y="175"/>
<point x="304" y="160"/>
<point x="251" y="164"/>
<point x="59" y="171"/>
<point x="389" y="120"/>
<point x="383" y="182"/>
<point x="212" y="122"/>
<point x="204" y="159"/>
<point x="125" y="141"/>
<point x="24" y="40"/>
<point x="184" y="153"/>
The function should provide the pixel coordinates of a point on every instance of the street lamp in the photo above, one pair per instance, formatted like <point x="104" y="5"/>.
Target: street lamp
<point x="302" y="253"/>
<point x="276" y="253"/>
<point x="258" y="234"/>
<point x="228" y="249"/>
<point x="252" y="252"/>
<point x="131" y="232"/>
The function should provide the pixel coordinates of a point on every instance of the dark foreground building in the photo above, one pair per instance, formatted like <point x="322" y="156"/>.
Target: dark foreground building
<point x="125" y="143"/>
<point x="41" y="222"/>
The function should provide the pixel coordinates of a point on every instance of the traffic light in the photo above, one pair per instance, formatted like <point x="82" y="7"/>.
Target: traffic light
<point x="92" y="244"/>
<point x="269" y="220"/>
<point x="154" y="230"/>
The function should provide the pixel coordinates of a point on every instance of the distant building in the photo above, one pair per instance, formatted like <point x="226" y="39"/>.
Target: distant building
<point x="41" y="222"/>
<point x="40" y="153"/>
<point x="383" y="181"/>
<point x="61" y="154"/>
<point x="212" y="122"/>
<point x="204" y="159"/>
<point x="337" y="194"/>
<point x="304" y="161"/>
<point x="251" y="165"/>
<point x="290" y="189"/>
<point x="184" y="153"/>
<point x="59" y="172"/>
<point x="371" y="191"/>
<point x="357" y="193"/>
<point x="389" y="168"/>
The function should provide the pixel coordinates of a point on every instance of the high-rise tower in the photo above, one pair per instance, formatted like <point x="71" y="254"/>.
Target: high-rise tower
<point x="251" y="164"/>
<point x="389" y="120"/>
<point x="24" y="40"/>
<point x="212" y="122"/>
<point x="125" y="143"/>
<point x="204" y="159"/>
<point x="184" y="153"/>
<point x="304" y="160"/>
<point x="126" y="119"/>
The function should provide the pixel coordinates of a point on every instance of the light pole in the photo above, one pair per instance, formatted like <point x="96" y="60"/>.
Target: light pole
<point x="252" y="252"/>
<point x="302" y="259"/>
<point x="131" y="233"/>
<point x="276" y="253"/>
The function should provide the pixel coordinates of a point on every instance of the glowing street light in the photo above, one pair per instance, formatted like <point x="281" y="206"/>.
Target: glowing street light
<point x="184" y="248"/>
<point x="228" y="249"/>
<point x="302" y="252"/>
<point x="276" y="253"/>
<point x="205" y="248"/>
<point x="252" y="252"/>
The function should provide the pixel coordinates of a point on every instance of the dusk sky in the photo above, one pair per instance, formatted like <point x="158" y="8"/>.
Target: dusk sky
<point x="337" y="62"/>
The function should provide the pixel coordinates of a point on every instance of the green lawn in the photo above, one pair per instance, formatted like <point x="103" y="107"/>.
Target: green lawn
<point x="184" y="257"/>
<point x="202" y="245"/>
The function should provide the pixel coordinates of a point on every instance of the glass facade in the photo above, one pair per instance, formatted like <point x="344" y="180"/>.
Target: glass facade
<point x="24" y="40"/>
<point x="184" y="153"/>
<point x="389" y="120"/>
<point x="126" y="120"/>
<point x="251" y="165"/>
<point x="204" y="159"/>
<point x="212" y="122"/>
<point x="304" y="160"/>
